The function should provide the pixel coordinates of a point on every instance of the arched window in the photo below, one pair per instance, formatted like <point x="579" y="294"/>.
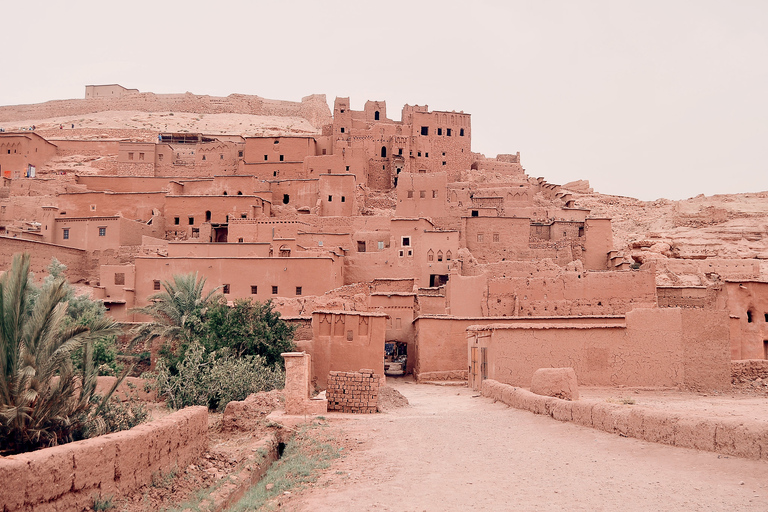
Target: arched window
<point x="208" y="216"/>
<point x="448" y="255"/>
<point x="430" y="255"/>
<point x="376" y="115"/>
<point x="383" y="151"/>
<point x="225" y="192"/>
<point x="239" y="193"/>
<point x="439" y="255"/>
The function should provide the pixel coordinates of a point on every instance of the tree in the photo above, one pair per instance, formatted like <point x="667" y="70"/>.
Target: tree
<point x="177" y="316"/>
<point x="248" y="328"/>
<point x="44" y="401"/>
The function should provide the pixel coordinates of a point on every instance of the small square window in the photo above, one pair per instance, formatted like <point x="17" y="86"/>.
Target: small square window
<point x="381" y="247"/>
<point x="254" y="289"/>
<point x="439" y="131"/>
<point x="155" y="285"/>
<point x="475" y="213"/>
<point x="266" y="157"/>
<point x="176" y="220"/>
<point x="422" y="194"/>
<point x="191" y="221"/>
<point x="425" y="130"/>
<point x="480" y="237"/>
<point x="65" y="234"/>
<point x="443" y="162"/>
<point x="405" y="241"/>
<point x="119" y="278"/>
<point x="400" y="151"/>
<point x="418" y="154"/>
<point x="401" y="253"/>
<point x="495" y="237"/>
<point x="448" y="132"/>
<point x="274" y="290"/>
<point x="298" y="290"/>
<point x="282" y="158"/>
<point x="434" y="194"/>
<point x="330" y="198"/>
<point x="342" y="129"/>
<point x="410" y="194"/>
<point x="347" y="168"/>
<point x="240" y="154"/>
<point x="426" y="155"/>
<point x="130" y="155"/>
<point x="461" y="132"/>
<point x="102" y="231"/>
<point x="410" y="252"/>
<point x="343" y="199"/>
<point x="221" y="157"/>
<point x="225" y="288"/>
<point x="350" y="335"/>
<point x="160" y="157"/>
<point x="239" y="240"/>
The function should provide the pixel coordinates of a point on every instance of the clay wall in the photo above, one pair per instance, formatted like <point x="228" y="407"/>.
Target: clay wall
<point x="131" y="205"/>
<point x="345" y="341"/>
<point x="278" y="149"/>
<point x="400" y="310"/>
<point x="218" y="185"/>
<point x="314" y="276"/>
<point x="324" y="241"/>
<point x="264" y="171"/>
<point x="686" y="297"/>
<point x="295" y="194"/>
<point x="79" y="265"/>
<point x="747" y="305"/>
<point x="184" y="214"/>
<point x="656" y="347"/>
<point x="572" y="293"/>
<point x="18" y="150"/>
<point x="107" y="91"/>
<point x="492" y="239"/>
<point x="737" y="269"/>
<point x="598" y="242"/>
<point x="99" y="233"/>
<point x="98" y="148"/>
<point x="421" y="195"/>
<point x="124" y="183"/>
<point x="442" y="152"/>
<point x="353" y="392"/>
<point x="337" y="195"/>
<point x="264" y="230"/>
<point x="313" y="108"/>
<point x="209" y="250"/>
<point x="67" y="477"/>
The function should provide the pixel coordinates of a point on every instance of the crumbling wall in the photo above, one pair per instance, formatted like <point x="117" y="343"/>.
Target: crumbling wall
<point x="355" y="392"/>
<point x="67" y="477"/>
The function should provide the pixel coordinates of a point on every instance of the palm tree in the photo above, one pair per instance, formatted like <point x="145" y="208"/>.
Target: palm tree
<point x="44" y="401"/>
<point x="177" y="315"/>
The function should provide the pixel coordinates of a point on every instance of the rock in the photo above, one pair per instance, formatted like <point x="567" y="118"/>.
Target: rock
<point x="556" y="382"/>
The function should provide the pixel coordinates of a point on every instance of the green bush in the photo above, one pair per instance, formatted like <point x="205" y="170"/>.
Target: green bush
<point x="215" y="379"/>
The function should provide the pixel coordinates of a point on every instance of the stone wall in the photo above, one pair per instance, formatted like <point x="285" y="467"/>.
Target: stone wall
<point x="355" y="392"/>
<point x="67" y="477"/>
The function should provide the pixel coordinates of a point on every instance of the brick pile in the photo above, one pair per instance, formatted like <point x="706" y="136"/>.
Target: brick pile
<point x="355" y="392"/>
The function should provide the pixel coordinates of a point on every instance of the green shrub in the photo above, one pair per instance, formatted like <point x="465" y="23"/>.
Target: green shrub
<point x="215" y="379"/>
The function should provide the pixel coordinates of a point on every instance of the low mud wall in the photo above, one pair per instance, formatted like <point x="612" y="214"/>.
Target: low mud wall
<point x="356" y="392"/>
<point x="730" y="436"/>
<point x="746" y="370"/>
<point x="69" y="476"/>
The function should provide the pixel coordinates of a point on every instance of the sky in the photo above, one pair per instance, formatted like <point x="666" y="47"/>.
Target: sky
<point x="647" y="99"/>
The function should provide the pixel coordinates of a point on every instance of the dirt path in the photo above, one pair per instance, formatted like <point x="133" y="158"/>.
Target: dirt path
<point x="450" y="450"/>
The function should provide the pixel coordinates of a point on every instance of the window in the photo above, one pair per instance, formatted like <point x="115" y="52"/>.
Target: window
<point x="221" y="156"/>
<point x="376" y="116"/>
<point x="475" y="213"/>
<point x="422" y="194"/>
<point x="274" y="290"/>
<point x="410" y="194"/>
<point x="347" y="169"/>
<point x="176" y="220"/>
<point x="439" y="255"/>
<point x="439" y="131"/>
<point x="381" y="248"/>
<point x="239" y="240"/>
<point x="225" y="288"/>
<point x="448" y="132"/>
<point x="141" y="156"/>
<point x="282" y="158"/>
<point x="254" y="289"/>
<point x="343" y="198"/>
<point x="342" y="129"/>
<point x="749" y="317"/>
<point x="405" y="241"/>
<point x="383" y="151"/>
<point x="195" y="232"/>
<point x="274" y="174"/>
<point x="155" y="285"/>
<point x="401" y="253"/>
<point x="461" y="132"/>
<point x="286" y="199"/>
<point x="480" y="237"/>
<point x="425" y="130"/>
<point x="410" y="252"/>
<point x="426" y="155"/>
<point x="160" y="157"/>
<point x="434" y="194"/>
<point x="65" y="234"/>
<point x="495" y="237"/>
<point x="298" y="290"/>
<point x="102" y="231"/>
<point x="203" y="157"/>
<point x="400" y="151"/>
<point x="350" y="335"/>
<point x="766" y="317"/>
<point x="330" y="198"/>
<point x="130" y="155"/>
<point x="443" y="162"/>
<point x="430" y="255"/>
<point x="243" y="215"/>
<point x="448" y="256"/>
<point x="581" y="230"/>
<point x="240" y="154"/>
<point x="361" y="246"/>
<point x="418" y="154"/>
<point x="191" y="221"/>
<point x="208" y="215"/>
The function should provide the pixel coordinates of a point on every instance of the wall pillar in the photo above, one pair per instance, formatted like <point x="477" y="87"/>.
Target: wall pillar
<point x="297" y="386"/>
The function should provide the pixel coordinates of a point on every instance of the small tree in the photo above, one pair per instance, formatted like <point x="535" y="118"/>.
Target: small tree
<point x="248" y="328"/>
<point x="177" y="316"/>
<point x="44" y="401"/>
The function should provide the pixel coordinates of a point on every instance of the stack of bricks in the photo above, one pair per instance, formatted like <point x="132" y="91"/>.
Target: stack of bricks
<point x="356" y="392"/>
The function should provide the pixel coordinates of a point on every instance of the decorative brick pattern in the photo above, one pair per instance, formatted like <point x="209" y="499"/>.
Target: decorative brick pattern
<point x="355" y="392"/>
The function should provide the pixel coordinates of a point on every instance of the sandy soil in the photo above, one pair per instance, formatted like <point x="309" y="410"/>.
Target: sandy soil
<point x="453" y="450"/>
<point x="241" y="124"/>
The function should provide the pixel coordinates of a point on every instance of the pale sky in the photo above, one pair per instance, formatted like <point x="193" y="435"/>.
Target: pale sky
<point x="644" y="98"/>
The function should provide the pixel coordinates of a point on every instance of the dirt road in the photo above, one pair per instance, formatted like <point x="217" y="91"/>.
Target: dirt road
<point x="450" y="450"/>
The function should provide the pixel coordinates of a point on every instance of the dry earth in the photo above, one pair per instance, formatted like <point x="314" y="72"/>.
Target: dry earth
<point x="453" y="450"/>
